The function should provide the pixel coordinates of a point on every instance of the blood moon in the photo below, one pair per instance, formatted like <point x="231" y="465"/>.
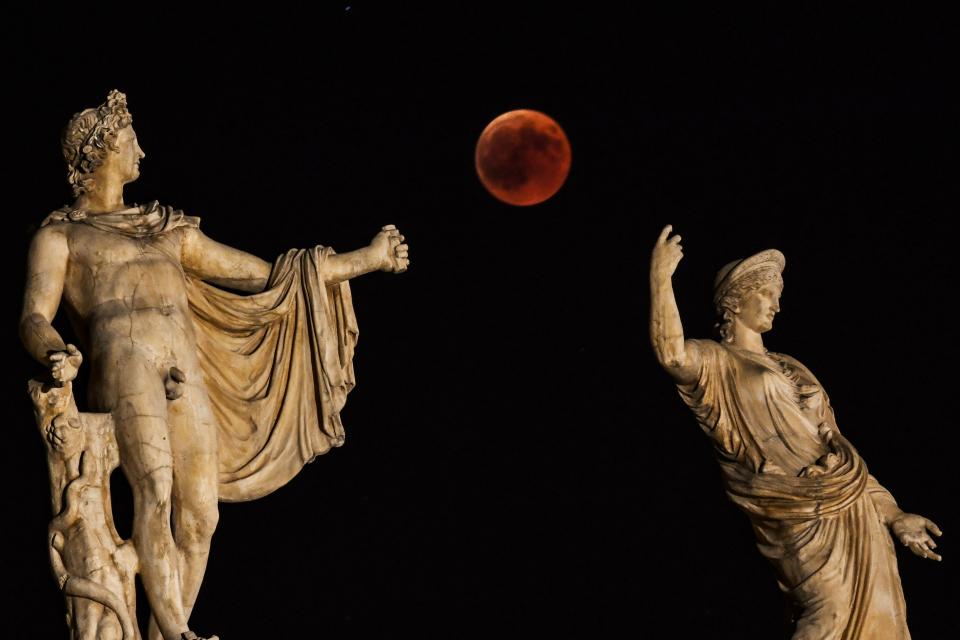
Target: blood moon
<point x="523" y="157"/>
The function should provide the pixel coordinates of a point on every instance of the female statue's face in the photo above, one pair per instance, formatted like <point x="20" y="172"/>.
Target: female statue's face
<point x="760" y="306"/>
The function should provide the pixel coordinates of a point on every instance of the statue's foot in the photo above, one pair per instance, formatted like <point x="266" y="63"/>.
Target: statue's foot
<point x="190" y="635"/>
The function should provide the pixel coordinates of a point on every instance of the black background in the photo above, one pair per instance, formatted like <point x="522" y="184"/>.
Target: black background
<point x="515" y="458"/>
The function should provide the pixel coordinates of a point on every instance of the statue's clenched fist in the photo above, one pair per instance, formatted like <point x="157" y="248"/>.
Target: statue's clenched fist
<point x="65" y="364"/>
<point x="388" y="246"/>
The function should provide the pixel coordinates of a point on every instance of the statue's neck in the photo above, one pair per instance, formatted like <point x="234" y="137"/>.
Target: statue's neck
<point x="746" y="338"/>
<point x="102" y="198"/>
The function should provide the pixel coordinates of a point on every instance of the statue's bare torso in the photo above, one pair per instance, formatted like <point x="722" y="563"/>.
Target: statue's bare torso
<point x="130" y="296"/>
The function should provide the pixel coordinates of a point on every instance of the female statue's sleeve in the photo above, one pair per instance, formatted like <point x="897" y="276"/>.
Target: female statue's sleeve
<point x="707" y="396"/>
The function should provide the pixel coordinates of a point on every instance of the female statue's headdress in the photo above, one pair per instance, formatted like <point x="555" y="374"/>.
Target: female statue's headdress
<point x="739" y="277"/>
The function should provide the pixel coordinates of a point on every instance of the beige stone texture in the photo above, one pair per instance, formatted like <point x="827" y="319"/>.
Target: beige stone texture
<point x="198" y="393"/>
<point x="820" y="518"/>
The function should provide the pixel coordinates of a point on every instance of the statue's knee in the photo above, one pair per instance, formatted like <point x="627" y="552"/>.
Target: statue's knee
<point x="153" y="492"/>
<point x="196" y="525"/>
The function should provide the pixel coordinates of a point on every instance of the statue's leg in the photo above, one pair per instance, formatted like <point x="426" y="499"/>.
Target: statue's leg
<point x="193" y="434"/>
<point x="134" y="391"/>
<point x="195" y="513"/>
<point x="824" y="597"/>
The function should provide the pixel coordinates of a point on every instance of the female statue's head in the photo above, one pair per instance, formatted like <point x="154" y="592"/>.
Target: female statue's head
<point x="100" y="140"/>
<point x="748" y="291"/>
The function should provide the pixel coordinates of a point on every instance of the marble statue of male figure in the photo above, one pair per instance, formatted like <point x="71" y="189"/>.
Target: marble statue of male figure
<point x="181" y="382"/>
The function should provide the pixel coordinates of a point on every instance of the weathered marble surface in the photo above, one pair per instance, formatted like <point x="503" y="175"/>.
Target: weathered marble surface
<point x="820" y="518"/>
<point x="198" y="394"/>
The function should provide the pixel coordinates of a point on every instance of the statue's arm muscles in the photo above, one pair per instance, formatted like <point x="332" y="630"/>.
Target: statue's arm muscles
<point x="681" y="358"/>
<point x="222" y="265"/>
<point x="46" y="271"/>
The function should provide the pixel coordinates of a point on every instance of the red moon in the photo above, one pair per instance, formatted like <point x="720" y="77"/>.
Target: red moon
<point x="523" y="157"/>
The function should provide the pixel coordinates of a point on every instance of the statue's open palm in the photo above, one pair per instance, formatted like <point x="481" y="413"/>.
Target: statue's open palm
<point x="914" y="532"/>
<point x="667" y="254"/>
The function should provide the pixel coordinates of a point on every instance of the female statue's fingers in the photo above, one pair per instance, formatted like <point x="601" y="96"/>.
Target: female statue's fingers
<point x="388" y="227"/>
<point x="57" y="357"/>
<point x="918" y="549"/>
<point x="931" y="553"/>
<point x="675" y="239"/>
<point x="663" y="234"/>
<point x="932" y="527"/>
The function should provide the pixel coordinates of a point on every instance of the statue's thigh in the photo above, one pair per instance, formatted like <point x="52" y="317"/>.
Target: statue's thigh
<point x="135" y="396"/>
<point x="193" y="434"/>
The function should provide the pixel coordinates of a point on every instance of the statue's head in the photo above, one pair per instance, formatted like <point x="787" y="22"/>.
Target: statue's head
<point x="748" y="291"/>
<point x="101" y="141"/>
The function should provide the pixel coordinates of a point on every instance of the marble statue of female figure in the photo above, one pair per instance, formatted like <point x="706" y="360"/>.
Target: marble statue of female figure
<point x="818" y="515"/>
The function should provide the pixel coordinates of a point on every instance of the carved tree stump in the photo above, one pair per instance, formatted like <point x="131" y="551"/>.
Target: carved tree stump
<point x="94" y="567"/>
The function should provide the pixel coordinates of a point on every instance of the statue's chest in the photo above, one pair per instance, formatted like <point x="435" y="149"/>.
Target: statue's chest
<point x="99" y="250"/>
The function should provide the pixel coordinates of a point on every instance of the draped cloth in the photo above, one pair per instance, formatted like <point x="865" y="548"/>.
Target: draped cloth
<point x="136" y="221"/>
<point x="277" y="365"/>
<point x="809" y="496"/>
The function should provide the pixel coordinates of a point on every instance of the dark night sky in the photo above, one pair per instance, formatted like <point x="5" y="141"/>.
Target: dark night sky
<point x="515" y="458"/>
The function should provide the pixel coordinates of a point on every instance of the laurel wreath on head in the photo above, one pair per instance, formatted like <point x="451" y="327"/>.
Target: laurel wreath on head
<point x="88" y="137"/>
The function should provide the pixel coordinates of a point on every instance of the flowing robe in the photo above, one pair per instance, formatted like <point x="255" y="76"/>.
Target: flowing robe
<point x="806" y="490"/>
<point x="277" y="365"/>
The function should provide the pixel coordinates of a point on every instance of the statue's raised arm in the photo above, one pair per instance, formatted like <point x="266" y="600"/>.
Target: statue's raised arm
<point x="681" y="359"/>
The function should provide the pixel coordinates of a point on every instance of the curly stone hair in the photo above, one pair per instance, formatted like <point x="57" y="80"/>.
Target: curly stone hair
<point x="89" y="136"/>
<point x="728" y="306"/>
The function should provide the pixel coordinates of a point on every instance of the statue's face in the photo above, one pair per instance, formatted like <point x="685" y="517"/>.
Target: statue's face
<point x="125" y="161"/>
<point x="758" y="307"/>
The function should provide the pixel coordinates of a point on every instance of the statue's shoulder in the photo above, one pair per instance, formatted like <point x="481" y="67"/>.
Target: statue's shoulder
<point x="58" y="218"/>
<point x="789" y="360"/>
<point x="172" y="217"/>
<point x="706" y="345"/>
<point x="796" y="364"/>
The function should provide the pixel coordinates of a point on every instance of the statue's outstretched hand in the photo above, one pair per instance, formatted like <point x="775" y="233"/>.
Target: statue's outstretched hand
<point x="912" y="530"/>
<point x="388" y="246"/>
<point x="65" y="364"/>
<point x="667" y="254"/>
